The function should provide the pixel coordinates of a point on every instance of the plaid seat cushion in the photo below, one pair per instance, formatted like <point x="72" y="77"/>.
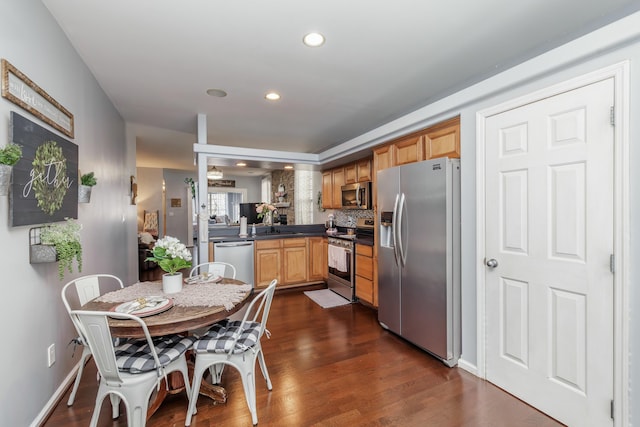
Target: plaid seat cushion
<point x="219" y="339"/>
<point x="134" y="356"/>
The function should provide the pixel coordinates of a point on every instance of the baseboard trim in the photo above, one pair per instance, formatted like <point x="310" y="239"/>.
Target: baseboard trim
<point x="55" y="398"/>
<point x="471" y="368"/>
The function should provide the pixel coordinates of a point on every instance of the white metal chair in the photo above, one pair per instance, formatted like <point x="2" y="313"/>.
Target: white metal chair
<point x="86" y="288"/>
<point x="133" y="370"/>
<point x="235" y="343"/>
<point x="216" y="268"/>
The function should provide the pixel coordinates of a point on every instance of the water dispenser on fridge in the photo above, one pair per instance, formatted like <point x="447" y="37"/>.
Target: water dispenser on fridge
<point x="386" y="229"/>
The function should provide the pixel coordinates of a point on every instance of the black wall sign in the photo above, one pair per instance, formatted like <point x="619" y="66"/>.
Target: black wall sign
<point x="45" y="180"/>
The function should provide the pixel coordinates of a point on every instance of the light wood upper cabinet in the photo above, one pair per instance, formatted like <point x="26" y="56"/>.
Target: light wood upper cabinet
<point x="327" y="190"/>
<point x="408" y="150"/>
<point x="443" y="140"/>
<point x="350" y="174"/>
<point x="382" y="158"/>
<point x="338" y="182"/>
<point x="363" y="170"/>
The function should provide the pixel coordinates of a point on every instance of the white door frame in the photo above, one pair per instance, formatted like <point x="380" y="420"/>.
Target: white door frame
<point x="620" y="74"/>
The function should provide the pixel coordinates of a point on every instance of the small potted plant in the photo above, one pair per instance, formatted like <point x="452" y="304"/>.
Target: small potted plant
<point x="65" y="238"/>
<point x="87" y="181"/>
<point x="171" y="256"/>
<point x="9" y="156"/>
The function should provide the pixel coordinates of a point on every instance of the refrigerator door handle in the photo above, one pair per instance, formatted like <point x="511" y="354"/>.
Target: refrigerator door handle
<point x="402" y="255"/>
<point x="393" y="230"/>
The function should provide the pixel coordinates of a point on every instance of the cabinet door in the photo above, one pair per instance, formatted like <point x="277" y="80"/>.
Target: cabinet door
<point x="408" y="150"/>
<point x="350" y="174"/>
<point x="327" y="190"/>
<point x="364" y="170"/>
<point x="382" y="158"/>
<point x="443" y="140"/>
<point x="295" y="265"/>
<point x="338" y="182"/>
<point x="318" y="268"/>
<point x="268" y="262"/>
<point x="364" y="289"/>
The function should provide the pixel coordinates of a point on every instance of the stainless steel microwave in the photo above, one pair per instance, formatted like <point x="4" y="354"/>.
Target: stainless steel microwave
<point x="357" y="196"/>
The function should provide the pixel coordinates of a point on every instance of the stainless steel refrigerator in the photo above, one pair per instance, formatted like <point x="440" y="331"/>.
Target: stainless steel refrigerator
<point x="419" y="255"/>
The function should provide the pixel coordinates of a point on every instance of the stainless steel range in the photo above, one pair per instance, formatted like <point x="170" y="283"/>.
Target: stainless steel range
<point x="341" y="260"/>
<point x="342" y="257"/>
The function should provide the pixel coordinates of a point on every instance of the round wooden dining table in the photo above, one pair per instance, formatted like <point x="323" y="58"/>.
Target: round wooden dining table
<point x="175" y="320"/>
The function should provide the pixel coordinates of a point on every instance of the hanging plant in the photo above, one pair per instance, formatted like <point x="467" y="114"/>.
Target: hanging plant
<point x="65" y="237"/>
<point x="88" y="179"/>
<point x="192" y="185"/>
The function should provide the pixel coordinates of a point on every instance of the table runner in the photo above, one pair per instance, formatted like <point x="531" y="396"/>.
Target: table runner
<point x="202" y="294"/>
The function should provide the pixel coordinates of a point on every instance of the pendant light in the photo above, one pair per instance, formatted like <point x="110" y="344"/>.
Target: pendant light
<point x="214" y="173"/>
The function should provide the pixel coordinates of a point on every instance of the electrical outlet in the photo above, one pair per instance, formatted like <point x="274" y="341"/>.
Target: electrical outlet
<point x="51" y="354"/>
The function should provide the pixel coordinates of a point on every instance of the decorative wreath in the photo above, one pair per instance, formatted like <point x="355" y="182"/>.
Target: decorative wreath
<point x="50" y="172"/>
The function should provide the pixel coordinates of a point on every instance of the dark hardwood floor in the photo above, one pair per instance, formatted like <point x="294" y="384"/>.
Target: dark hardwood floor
<point x="332" y="367"/>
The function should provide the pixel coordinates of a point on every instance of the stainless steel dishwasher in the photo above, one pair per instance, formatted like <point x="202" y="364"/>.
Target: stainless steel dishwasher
<point x="240" y="254"/>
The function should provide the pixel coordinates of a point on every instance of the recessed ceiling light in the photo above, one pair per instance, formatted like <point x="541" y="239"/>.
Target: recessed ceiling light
<point x="313" y="39"/>
<point x="272" y="96"/>
<point x="288" y="167"/>
<point x="241" y="164"/>
<point x="219" y="93"/>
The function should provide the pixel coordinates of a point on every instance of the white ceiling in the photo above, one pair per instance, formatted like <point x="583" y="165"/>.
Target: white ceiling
<point x="155" y="59"/>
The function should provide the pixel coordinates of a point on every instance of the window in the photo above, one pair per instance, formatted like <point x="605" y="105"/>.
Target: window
<point x="222" y="201"/>
<point x="266" y="189"/>
<point x="303" y="199"/>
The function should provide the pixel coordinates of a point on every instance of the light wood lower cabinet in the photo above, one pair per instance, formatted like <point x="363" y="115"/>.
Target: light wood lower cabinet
<point x="293" y="261"/>
<point x="294" y="255"/>
<point x="318" y="269"/>
<point x="268" y="262"/>
<point x="364" y="273"/>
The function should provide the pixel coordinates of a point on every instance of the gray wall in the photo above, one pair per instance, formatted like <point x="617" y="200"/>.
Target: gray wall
<point x="32" y="42"/>
<point x="32" y="314"/>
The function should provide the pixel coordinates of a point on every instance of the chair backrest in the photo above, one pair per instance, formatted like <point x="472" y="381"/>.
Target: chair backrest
<point x="87" y="288"/>
<point x="216" y="268"/>
<point x="93" y="327"/>
<point x="258" y="309"/>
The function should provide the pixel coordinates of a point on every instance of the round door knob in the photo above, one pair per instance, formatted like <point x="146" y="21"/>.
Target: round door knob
<point x="492" y="263"/>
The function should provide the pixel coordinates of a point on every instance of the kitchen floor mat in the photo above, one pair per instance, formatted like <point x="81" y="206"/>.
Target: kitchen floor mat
<point x="326" y="298"/>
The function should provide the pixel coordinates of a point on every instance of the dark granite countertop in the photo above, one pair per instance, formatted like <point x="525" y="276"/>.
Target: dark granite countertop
<point x="230" y="234"/>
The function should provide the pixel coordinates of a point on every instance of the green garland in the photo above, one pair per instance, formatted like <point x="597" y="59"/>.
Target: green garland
<point x="49" y="189"/>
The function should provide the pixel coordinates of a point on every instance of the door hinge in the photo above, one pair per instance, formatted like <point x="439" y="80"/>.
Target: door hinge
<point x="612" y="116"/>
<point x="612" y="263"/>
<point x="612" y="408"/>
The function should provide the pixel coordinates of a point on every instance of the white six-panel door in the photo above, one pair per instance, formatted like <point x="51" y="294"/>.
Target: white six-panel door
<point x="549" y="229"/>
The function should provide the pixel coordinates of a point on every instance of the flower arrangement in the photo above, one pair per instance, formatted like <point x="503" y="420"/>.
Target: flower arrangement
<point x="66" y="239"/>
<point x="170" y="254"/>
<point x="263" y="208"/>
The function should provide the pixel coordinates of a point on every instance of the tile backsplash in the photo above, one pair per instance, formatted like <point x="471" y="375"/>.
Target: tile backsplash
<point x="348" y="218"/>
